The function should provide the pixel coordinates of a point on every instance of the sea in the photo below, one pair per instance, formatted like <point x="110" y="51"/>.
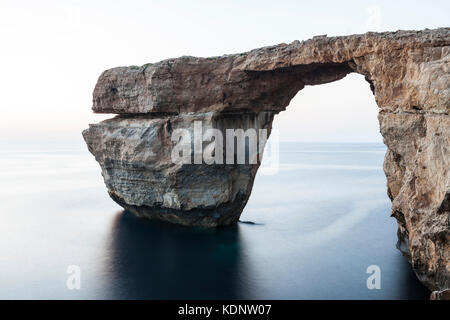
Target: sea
<point x="317" y="228"/>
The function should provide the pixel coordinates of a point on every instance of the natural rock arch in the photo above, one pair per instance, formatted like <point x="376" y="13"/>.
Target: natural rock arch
<point x="409" y="75"/>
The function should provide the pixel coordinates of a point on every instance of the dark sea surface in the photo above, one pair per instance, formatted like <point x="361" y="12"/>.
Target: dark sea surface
<point x="316" y="226"/>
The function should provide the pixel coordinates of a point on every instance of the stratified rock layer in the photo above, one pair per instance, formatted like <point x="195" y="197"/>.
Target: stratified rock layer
<point x="408" y="72"/>
<point x="135" y="153"/>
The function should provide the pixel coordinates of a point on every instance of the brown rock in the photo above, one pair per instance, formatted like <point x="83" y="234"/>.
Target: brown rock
<point x="440" y="295"/>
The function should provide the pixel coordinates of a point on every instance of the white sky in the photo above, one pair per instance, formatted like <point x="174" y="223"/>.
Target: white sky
<point x="52" y="52"/>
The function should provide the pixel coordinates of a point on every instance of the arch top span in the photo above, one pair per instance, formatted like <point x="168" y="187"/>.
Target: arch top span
<point x="403" y="67"/>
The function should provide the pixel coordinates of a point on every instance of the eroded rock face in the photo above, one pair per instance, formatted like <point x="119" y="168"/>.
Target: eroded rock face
<point x="417" y="169"/>
<point x="409" y="75"/>
<point x="135" y="153"/>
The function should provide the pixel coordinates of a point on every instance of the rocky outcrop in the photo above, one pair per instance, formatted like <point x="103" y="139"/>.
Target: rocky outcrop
<point x="135" y="153"/>
<point x="408" y="72"/>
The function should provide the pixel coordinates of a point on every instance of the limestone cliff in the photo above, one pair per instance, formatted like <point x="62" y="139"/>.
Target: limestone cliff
<point x="408" y="72"/>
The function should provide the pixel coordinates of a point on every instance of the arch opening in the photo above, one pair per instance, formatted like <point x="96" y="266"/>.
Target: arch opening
<point x="326" y="210"/>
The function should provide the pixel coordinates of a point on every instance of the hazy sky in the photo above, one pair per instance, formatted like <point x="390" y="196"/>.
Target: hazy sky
<point x="52" y="52"/>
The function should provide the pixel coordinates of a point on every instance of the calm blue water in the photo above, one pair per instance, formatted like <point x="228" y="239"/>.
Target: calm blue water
<point x="319" y="223"/>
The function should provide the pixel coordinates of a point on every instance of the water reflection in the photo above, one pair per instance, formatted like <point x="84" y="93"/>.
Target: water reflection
<point x="156" y="260"/>
<point x="407" y="284"/>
